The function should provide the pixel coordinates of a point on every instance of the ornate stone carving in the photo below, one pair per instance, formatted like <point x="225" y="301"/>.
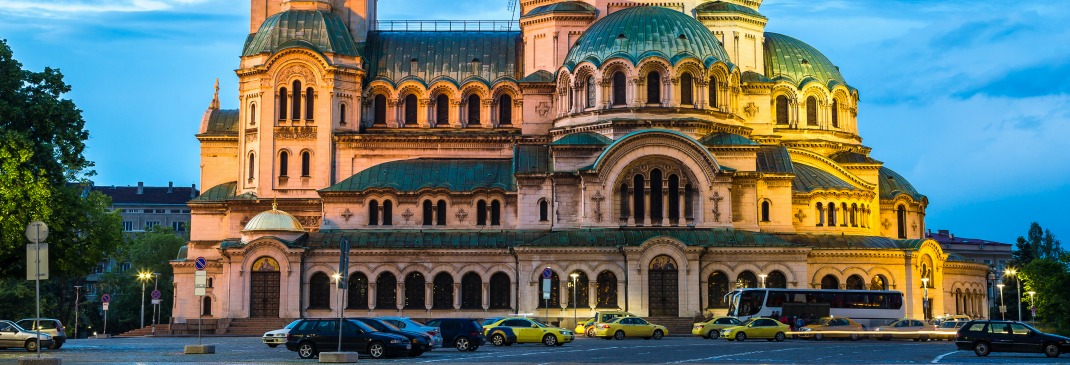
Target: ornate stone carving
<point x="800" y="215"/>
<point x="295" y="132"/>
<point x="250" y="137"/>
<point x="597" y="198"/>
<point x="309" y="221"/>
<point x="543" y="108"/>
<point x="461" y="215"/>
<point x="244" y="220"/>
<point x="296" y="70"/>
<point x="885" y="223"/>
<point x="346" y="214"/>
<point x="716" y="199"/>
<point x="407" y="214"/>
<point x="750" y="110"/>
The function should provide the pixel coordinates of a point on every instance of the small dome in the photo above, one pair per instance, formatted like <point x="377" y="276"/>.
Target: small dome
<point x="892" y="184"/>
<point x="274" y="220"/>
<point x="573" y="7"/>
<point x="646" y="31"/>
<point x="318" y="30"/>
<point x="790" y="59"/>
<point x="715" y="7"/>
<point x="726" y="139"/>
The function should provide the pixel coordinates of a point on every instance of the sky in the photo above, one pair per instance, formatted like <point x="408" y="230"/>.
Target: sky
<point x="969" y="100"/>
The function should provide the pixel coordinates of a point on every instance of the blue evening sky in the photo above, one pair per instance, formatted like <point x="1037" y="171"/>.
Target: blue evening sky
<point x="970" y="100"/>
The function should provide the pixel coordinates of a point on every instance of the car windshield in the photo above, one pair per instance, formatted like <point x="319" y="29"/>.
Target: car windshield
<point x="540" y="324"/>
<point x="415" y="323"/>
<point x="7" y="326"/>
<point x="824" y="321"/>
<point x="949" y="324"/>
<point x="490" y="321"/>
<point x="292" y="324"/>
<point x="748" y="322"/>
<point x="364" y="327"/>
<point x="378" y="325"/>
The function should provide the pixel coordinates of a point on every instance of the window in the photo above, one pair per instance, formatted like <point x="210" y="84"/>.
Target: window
<point x="544" y="211"/>
<point x="811" y="111"/>
<point x="128" y="226"/>
<point x="442" y="110"/>
<point x="178" y="226"/>
<point x="284" y="163"/>
<point x="283" y="96"/>
<point x="674" y="198"/>
<point x="835" y="114"/>
<point x="830" y="282"/>
<point x="357" y="291"/>
<point x="379" y="108"/>
<point x="481" y="213"/>
<point x="653" y="88"/>
<point x="578" y="289"/>
<point x="878" y="283"/>
<point x="410" y="109"/>
<point x="638" y="198"/>
<point x="820" y="214"/>
<point x="428" y="213"/>
<point x="656" y="184"/>
<point x="471" y="291"/>
<point x="782" y="110"/>
<point x="341" y="114"/>
<point x="306" y="159"/>
<point x="765" y="211"/>
<point x="210" y="282"/>
<point x="776" y="279"/>
<point x="624" y="196"/>
<point x="296" y="102"/>
<point x="499" y="291"/>
<point x="252" y="167"/>
<point x="319" y="291"/>
<point x="414" y="291"/>
<point x="388" y="213"/>
<point x="687" y="86"/>
<point x="620" y="89"/>
<point x="505" y="110"/>
<point x="901" y="220"/>
<point x="832" y="215"/>
<point x="310" y="101"/>
<point x="716" y="288"/>
<point x="495" y="213"/>
<point x="591" y="92"/>
<point x="606" y="292"/>
<point x="854" y="214"/>
<point x="441" y="212"/>
<point x="150" y="224"/>
<point x="386" y="291"/>
<point x="855" y="282"/>
<point x="473" y="110"/>
<point x="252" y="114"/>
<point x="713" y="92"/>
<point x="206" y="307"/>
<point x="442" y="292"/>
<point x="747" y="279"/>
<point x="373" y="213"/>
<point x="555" y="290"/>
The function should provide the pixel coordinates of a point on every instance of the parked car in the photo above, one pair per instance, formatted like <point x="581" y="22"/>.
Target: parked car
<point x="409" y="324"/>
<point x="274" y="338"/>
<point x="904" y="328"/>
<point x="529" y="330"/>
<point x="712" y="328"/>
<point x="833" y="327"/>
<point x="767" y="328"/>
<point x="465" y="334"/>
<point x="310" y="336"/>
<point x="11" y="335"/>
<point x="53" y="327"/>
<point x="421" y="341"/>
<point x="587" y="327"/>
<point x="987" y="336"/>
<point x="947" y="330"/>
<point x="622" y="327"/>
<point x="488" y="321"/>
<point x="499" y="336"/>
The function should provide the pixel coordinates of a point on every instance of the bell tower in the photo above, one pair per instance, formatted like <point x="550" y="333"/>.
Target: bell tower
<point x="359" y="15"/>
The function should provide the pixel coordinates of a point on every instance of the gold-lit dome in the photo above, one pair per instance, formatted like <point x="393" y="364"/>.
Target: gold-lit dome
<point x="274" y="220"/>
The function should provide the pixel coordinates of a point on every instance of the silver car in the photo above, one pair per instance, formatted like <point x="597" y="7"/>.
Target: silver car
<point x="408" y="324"/>
<point x="904" y="328"/>
<point x="11" y="335"/>
<point x="277" y="337"/>
<point x="51" y="326"/>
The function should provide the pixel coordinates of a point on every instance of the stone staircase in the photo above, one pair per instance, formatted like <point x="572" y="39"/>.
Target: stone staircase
<point x="161" y="330"/>
<point x="253" y="326"/>
<point x="677" y="325"/>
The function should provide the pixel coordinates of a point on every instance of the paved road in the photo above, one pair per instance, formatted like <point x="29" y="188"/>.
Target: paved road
<point x="671" y="350"/>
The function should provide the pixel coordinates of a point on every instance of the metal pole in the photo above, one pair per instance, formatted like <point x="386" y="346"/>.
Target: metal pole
<point x="1018" y="279"/>
<point x="1002" y="312"/>
<point x="575" y="307"/>
<point x="142" y="300"/>
<point x="341" y="314"/>
<point x="155" y="286"/>
<point x="77" y="292"/>
<point x="37" y="280"/>
<point x="200" y="311"/>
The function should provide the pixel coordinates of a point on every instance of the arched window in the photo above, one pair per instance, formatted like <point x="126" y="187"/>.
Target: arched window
<point x="341" y="114"/>
<point x="687" y="86"/>
<point x="855" y="282"/>
<point x="713" y="92"/>
<point x="639" y="202"/>
<point x="624" y="196"/>
<point x="414" y="291"/>
<point x="544" y="211"/>
<point x="900" y="220"/>
<point x="442" y="110"/>
<point x="306" y="162"/>
<point x="481" y="213"/>
<point x="674" y="198"/>
<point x="854" y="215"/>
<point x="209" y="282"/>
<point x="653" y="88"/>
<point x="379" y="109"/>
<point x="782" y="110"/>
<point x="373" y="213"/>
<point x="578" y="289"/>
<point x="252" y="114"/>
<point x="830" y="282"/>
<point x="620" y="89"/>
<point x="835" y="113"/>
<point x="878" y="282"/>
<point x="495" y="213"/>
<point x="310" y="103"/>
<point x="746" y="279"/>
<point x="473" y="110"/>
<point x="606" y="290"/>
<point x="386" y="292"/>
<point x="471" y="291"/>
<point x="206" y="307"/>
<point x="555" y="290"/>
<point x="252" y="167"/>
<point x="283" y="103"/>
<point x="429" y="210"/>
<point x="656" y="208"/>
<point x="811" y="110"/>
<point x="846" y="213"/>
<point x="358" y="291"/>
<point x="410" y="109"/>
<point x="765" y="211"/>
<point x="499" y="291"/>
<point x="776" y="279"/>
<point x="832" y="215"/>
<point x="442" y="292"/>
<point x="820" y="214"/>
<point x="689" y="193"/>
<point x="319" y="291"/>
<point x="592" y="96"/>
<point x="440" y="211"/>
<point x="295" y="105"/>
<point x="388" y="213"/>
<point x="716" y="288"/>
<point x="505" y="110"/>
<point x="571" y="98"/>
<point x="284" y="163"/>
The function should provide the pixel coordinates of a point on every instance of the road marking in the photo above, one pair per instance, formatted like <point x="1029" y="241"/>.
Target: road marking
<point x="938" y="358"/>
<point x="731" y="355"/>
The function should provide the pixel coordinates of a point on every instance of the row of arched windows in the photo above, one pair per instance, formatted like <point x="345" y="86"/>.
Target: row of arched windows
<point x="783" y="110"/>
<point x="718" y="285"/>
<point x="656" y="197"/>
<point x="440" y="105"/>
<point x="605" y="291"/>
<point x="855" y="282"/>
<point x="854" y="215"/>
<point x="413" y="295"/>
<point x="290" y="103"/>
<point x="375" y="211"/>
<point x="434" y="213"/>
<point x="284" y="163"/>
<point x="619" y="90"/>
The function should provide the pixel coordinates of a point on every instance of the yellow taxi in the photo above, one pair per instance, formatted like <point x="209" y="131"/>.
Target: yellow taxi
<point x="528" y="330"/>
<point x="629" y="327"/>
<point x="767" y="328"/>
<point x="833" y="327"/>
<point x="711" y="329"/>
<point x="587" y="327"/>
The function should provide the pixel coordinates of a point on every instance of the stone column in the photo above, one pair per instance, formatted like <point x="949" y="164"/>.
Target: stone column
<point x="592" y="292"/>
<point x="372" y="294"/>
<point x="429" y="294"/>
<point x="455" y="111"/>
<point x="422" y="111"/>
<point x="486" y="296"/>
<point x="456" y="295"/>
<point x="399" y="295"/>
<point x="484" y="114"/>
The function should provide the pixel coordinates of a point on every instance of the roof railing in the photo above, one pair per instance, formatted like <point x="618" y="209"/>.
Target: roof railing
<point x="447" y="25"/>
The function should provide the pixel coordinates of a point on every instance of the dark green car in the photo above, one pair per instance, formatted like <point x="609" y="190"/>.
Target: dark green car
<point x="985" y="337"/>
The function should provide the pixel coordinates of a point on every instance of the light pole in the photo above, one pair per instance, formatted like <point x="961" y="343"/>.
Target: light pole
<point x="341" y="312"/>
<point x="1017" y="280"/>
<point x="575" y="307"/>
<point x="144" y="278"/>
<point x="763" y="279"/>
<point x="1002" y="308"/>
<point x="925" y="298"/>
<point x="1032" y="307"/>
<point x="77" y="292"/>
<point x="155" y="287"/>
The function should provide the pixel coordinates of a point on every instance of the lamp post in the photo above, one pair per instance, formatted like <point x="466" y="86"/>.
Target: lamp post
<point x="144" y="278"/>
<point x="1017" y="280"/>
<point x="763" y="276"/>
<point x="77" y="292"/>
<point x="341" y="312"/>
<point x="1032" y="307"/>
<point x="1002" y="308"/>
<point x="155" y="287"/>
<point x="925" y="298"/>
<point x="575" y="288"/>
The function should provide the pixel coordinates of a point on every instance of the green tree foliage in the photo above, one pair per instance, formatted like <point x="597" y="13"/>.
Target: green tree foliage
<point x="1049" y="278"/>
<point x="1038" y="243"/>
<point x="147" y="252"/>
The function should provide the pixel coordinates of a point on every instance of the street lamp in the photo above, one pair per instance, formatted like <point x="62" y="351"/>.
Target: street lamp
<point x="77" y="296"/>
<point x="337" y="277"/>
<point x="155" y="304"/>
<point x="575" y="307"/>
<point x="925" y="298"/>
<point x="1002" y="308"/>
<point x="1032" y="306"/>
<point x="144" y="278"/>
<point x="1017" y="279"/>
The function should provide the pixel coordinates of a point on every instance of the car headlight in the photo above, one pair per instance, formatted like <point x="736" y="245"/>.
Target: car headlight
<point x="395" y="341"/>
<point x="807" y="329"/>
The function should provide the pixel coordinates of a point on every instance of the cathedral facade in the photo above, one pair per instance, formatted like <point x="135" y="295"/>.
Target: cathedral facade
<point x="652" y="155"/>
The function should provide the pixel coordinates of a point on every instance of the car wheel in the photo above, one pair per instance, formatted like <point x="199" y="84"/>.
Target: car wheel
<point x="981" y="349"/>
<point x="31" y="345"/>
<point x="549" y="340"/>
<point x="658" y="334"/>
<point x="56" y="345"/>
<point x="473" y="348"/>
<point x="306" y="350"/>
<point x="497" y="339"/>
<point x="779" y="337"/>
<point x="713" y="335"/>
<point x="377" y="350"/>
<point x="819" y="337"/>
<point x="619" y="335"/>
<point x="590" y="332"/>
<point x="462" y="343"/>
<point x="1051" y="350"/>
<point x="854" y="337"/>
<point x="271" y="345"/>
<point x="415" y="353"/>
<point x="741" y="337"/>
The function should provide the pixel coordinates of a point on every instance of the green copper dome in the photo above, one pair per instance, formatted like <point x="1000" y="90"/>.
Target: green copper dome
<point x="725" y="7"/>
<point x="574" y="7"/>
<point x="320" y="31"/>
<point x="640" y="32"/>
<point x="791" y="60"/>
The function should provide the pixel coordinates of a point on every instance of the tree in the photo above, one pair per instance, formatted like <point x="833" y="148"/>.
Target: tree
<point x="1038" y="243"/>
<point x="148" y="252"/>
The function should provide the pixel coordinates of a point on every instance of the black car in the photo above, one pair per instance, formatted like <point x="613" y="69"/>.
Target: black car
<point x="312" y="336"/>
<point x="986" y="336"/>
<point x="421" y="341"/>
<point x="463" y="333"/>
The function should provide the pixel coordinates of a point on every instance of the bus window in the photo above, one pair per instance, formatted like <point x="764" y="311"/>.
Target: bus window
<point x="777" y="298"/>
<point x="750" y="302"/>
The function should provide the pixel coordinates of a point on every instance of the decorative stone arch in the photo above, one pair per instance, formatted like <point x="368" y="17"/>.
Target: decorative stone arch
<point x="474" y="88"/>
<point x="380" y="87"/>
<point x="654" y="64"/>
<point x="416" y="267"/>
<point x="611" y="267"/>
<point x="815" y="280"/>
<point x="411" y="87"/>
<point x="584" y="267"/>
<point x="889" y="279"/>
<point x="479" y="269"/>
<point x="611" y="66"/>
<point x="266" y="246"/>
<point x="506" y="88"/>
<point x="650" y="142"/>
<point x="380" y="196"/>
<point x="443" y="87"/>
<point x="279" y="60"/>
<point x="689" y="65"/>
<point x="663" y="245"/>
<point x="319" y="267"/>
<point x="536" y="274"/>
<point x="710" y="267"/>
<point x="581" y="72"/>
<point x="304" y="69"/>
<point x="508" y="271"/>
<point x="789" y="275"/>
<point x="375" y="271"/>
<point x="447" y="269"/>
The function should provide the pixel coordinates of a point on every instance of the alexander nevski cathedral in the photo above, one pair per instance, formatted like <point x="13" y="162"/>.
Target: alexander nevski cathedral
<point x="653" y="155"/>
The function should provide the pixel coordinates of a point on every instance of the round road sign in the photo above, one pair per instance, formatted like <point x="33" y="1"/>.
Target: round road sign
<point x="105" y="298"/>
<point x="37" y="231"/>
<point x="155" y="294"/>
<point x="200" y="263"/>
<point x="546" y="274"/>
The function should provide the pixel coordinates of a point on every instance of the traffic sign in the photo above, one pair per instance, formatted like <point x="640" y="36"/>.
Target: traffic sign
<point x="545" y="288"/>
<point x="200" y="263"/>
<point x="200" y="282"/>
<point x="156" y="294"/>
<point x="37" y="261"/>
<point x="155" y="301"/>
<point x="105" y="307"/>
<point x="105" y="298"/>
<point x="37" y="231"/>
<point x="547" y="273"/>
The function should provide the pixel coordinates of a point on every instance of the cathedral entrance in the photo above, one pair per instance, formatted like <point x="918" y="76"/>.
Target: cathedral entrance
<point x="663" y="287"/>
<point x="264" y="289"/>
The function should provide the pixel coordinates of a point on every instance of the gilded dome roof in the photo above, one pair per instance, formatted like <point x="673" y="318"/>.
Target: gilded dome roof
<point x="318" y="30"/>
<point x="640" y="32"/>
<point x="274" y="220"/>
<point x="790" y="59"/>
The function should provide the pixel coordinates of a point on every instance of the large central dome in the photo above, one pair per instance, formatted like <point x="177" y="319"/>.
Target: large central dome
<point x="646" y="31"/>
